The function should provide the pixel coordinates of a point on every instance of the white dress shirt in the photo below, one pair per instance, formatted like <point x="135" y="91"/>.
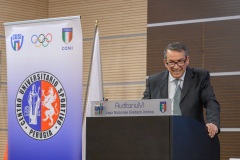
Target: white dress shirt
<point x="172" y="85"/>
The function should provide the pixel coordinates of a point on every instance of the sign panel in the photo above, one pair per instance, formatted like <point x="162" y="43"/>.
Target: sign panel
<point x="153" y="107"/>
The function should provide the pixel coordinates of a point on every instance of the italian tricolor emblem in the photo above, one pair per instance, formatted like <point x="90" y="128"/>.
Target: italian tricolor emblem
<point x="67" y="35"/>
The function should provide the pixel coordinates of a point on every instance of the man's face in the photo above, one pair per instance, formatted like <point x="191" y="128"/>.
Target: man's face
<point x="173" y="57"/>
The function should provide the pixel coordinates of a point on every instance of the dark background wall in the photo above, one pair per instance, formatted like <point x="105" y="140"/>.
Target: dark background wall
<point x="211" y="30"/>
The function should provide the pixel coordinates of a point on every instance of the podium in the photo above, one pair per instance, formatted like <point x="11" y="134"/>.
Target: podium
<point x="146" y="130"/>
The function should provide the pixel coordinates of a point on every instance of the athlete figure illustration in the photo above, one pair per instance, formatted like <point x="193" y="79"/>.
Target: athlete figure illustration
<point x="34" y="103"/>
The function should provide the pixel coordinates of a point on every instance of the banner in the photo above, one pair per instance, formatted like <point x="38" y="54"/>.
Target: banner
<point x="44" y="77"/>
<point x="94" y="87"/>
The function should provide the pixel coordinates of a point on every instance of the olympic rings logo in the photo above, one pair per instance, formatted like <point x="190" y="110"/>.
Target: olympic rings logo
<point x="41" y="40"/>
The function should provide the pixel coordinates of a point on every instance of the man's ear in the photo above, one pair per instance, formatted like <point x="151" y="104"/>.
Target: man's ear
<point x="188" y="60"/>
<point x="165" y="63"/>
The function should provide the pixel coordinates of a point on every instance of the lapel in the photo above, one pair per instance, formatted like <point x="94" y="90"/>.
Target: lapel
<point x="187" y="82"/>
<point x="163" y="85"/>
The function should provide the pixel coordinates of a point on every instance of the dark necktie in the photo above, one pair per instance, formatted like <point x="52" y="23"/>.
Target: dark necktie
<point x="176" y="98"/>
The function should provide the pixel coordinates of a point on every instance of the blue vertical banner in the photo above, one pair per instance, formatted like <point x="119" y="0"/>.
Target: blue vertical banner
<point x="44" y="77"/>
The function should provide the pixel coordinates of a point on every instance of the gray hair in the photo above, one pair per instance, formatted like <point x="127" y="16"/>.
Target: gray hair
<point x="175" y="46"/>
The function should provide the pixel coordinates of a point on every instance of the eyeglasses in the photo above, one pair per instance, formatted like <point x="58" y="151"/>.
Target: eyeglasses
<point x="180" y="63"/>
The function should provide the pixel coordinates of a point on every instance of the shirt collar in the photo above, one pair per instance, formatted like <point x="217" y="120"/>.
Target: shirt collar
<point x="171" y="78"/>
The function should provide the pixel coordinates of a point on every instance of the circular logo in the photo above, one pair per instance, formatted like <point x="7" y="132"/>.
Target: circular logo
<point x="41" y="105"/>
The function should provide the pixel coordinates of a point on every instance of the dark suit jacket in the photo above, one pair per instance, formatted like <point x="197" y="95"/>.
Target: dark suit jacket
<point x="197" y="93"/>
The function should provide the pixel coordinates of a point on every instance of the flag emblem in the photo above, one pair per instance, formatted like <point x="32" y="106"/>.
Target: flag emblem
<point x="67" y="35"/>
<point x="17" y="41"/>
<point x="163" y="107"/>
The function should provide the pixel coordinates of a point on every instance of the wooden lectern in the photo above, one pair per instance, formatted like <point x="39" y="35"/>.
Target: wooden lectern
<point x="146" y="137"/>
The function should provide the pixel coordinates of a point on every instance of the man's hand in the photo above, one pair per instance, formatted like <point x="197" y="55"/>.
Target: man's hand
<point x="212" y="129"/>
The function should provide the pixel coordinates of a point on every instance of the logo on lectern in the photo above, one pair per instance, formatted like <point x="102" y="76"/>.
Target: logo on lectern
<point x="163" y="106"/>
<point x="41" y="105"/>
<point x="99" y="109"/>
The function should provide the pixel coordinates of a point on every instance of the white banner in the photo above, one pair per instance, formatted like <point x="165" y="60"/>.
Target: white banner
<point x="44" y="77"/>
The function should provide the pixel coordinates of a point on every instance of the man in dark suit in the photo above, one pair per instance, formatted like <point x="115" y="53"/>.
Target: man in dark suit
<point x="196" y="91"/>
